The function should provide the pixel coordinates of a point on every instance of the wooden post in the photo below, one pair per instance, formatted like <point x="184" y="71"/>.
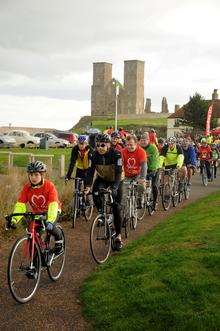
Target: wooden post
<point x="62" y="165"/>
<point x="10" y="160"/>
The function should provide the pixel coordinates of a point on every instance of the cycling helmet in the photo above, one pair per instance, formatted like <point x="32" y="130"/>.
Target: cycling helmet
<point x="102" y="138"/>
<point x="161" y="141"/>
<point x="171" y="140"/>
<point x="115" y="134"/>
<point x="36" y="166"/>
<point x="203" y="140"/>
<point x="82" y="138"/>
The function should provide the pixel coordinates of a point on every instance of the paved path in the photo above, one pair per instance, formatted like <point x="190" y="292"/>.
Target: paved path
<point x="56" y="306"/>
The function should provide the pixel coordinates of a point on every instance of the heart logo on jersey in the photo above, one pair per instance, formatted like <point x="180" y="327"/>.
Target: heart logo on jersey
<point x="38" y="200"/>
<point x="131" y="162"/>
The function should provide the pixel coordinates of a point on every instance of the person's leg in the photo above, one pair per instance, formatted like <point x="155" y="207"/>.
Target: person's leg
<point x="98" y="183"/>
<point x="57" y="234"/>
<point x="207" y="164"/>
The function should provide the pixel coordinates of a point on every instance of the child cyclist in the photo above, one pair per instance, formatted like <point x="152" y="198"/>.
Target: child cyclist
<point x="40" y="195"/>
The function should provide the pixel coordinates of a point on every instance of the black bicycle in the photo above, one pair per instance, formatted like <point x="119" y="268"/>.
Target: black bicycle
<point x="102" y="234"/>
<point x="30" y="254"/>
<point x="82" y="204"/>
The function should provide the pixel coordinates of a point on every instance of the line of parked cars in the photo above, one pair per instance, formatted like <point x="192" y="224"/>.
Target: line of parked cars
<point x="21" y="138"/>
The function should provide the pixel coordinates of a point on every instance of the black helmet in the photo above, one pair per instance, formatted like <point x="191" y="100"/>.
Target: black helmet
<point x="115" y="134"/>
<point x="36" y="166"/>
<point x="102" y="138"/>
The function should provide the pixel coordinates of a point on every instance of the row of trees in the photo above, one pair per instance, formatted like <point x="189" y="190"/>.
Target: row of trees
<point x="195" y="112"/>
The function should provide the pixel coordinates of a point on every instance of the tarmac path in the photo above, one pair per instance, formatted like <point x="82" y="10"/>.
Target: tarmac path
<point x="56" y="305"/>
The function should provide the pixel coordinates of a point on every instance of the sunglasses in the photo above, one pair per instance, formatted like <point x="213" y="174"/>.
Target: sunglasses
<point x="101" y="145"/>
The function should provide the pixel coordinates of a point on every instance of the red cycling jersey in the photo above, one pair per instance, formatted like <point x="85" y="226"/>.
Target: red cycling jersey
<point x="39" y="197"/>
<point x="205" y="153"/>
<point x="133" y="160"/>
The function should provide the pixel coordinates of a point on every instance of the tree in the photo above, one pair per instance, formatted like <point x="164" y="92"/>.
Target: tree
<point x="195" y="111"/>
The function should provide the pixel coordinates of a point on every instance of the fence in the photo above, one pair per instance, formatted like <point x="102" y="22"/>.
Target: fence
<point x="31" y="157"/>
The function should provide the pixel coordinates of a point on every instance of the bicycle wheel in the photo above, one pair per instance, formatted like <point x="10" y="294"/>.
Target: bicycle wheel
<point x="204" y="176"/>
<point x="100" y="239"/>
<point x="166" y="196"/>
<point x="74" y="210"/>
<point x="89" y="208"/>
<point x="56" y="264"/>
<point x="186" y="191"/>
<point x="175" y="195"/>
<point x="142" y="211"/>
<point x="134" y="217"/>
<point x="24" y="274"/>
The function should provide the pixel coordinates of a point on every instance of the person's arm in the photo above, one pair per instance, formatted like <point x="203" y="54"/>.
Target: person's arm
<point x="162" y="156"/>
<point x="180" y="157"/>
<point x="20" y="206"/>
<point x="53" y="206"/>
<point x="118" y="169"/>
<point x="90" y="172"/>
<point x="72" y="162"/>
<point x="143" y="172"/>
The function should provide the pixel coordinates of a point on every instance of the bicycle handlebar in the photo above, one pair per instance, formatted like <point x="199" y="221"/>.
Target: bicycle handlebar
<point x="31" y="215"/>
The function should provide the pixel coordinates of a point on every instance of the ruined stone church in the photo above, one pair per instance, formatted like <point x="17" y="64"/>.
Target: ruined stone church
<point x="130" y="99"/>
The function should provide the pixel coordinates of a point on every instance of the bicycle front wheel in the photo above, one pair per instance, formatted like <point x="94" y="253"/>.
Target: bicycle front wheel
<point x="166" y="196"/>
<point x="100" y="239"/>
<point x="204" y="176"/>
<point x="89" y="208"/>
<point x="74" y="210"/>
<point x="56" y="264"/>
<point x="24" y="270"/>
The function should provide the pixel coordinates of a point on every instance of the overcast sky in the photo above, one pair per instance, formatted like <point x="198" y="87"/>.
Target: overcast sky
<point x="47" y="48"/>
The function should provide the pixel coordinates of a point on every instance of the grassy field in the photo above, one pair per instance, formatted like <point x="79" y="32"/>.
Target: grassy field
<point x="152" y="122"/>
<point x="22" y="160"/>
<point x="168" y="279"/>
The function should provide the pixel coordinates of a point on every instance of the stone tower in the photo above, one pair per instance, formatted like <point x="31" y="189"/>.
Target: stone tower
<point x="148" y="106"/>
<point x="215" y="95"/>
<point x="133" y="87"/>
<point x="103" y="91"/>
<point x="164" y="106"/>
<point x="176" y="108"/>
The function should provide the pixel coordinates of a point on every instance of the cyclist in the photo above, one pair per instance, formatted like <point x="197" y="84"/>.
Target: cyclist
<point x="115" y="141"/>
<point x="135" y="166"/>
<point x="152" y="163"/>
<point x="107" y="163"/>
<point x="160" y="145"/>
<point x="41" y="196"/>
<point x="189" y="159"/>
<point x="215" y="157"/>
<point x="80" y="156"/>
<point x="205" y="156"/>
<point x="172" y="157"/>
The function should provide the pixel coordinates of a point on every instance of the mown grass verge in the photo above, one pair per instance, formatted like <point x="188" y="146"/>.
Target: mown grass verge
<point x="168" y="279"/>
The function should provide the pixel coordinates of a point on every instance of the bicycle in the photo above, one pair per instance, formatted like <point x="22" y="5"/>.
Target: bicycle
<point x="130" y="210"/>
<point x="102" y="234"/>
<point x="30" y="254"/>
<point x="82" y="204"/>
<point x="170" y="188"/>
<point x="204" y="173"/>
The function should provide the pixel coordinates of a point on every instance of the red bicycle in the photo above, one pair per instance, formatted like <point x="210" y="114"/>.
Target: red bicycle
<point x="31" y="254"/>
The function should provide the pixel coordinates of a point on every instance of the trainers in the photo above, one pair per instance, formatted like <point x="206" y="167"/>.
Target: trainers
<point x="32" y="273"/>
<point x="58" y="247"/>
<point x="118" y="244"/>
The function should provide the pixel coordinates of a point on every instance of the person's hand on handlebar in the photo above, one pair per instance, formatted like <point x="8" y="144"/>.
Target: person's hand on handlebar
<point x="87" y="190"/>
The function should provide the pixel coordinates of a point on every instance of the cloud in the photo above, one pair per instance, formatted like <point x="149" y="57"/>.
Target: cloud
<point x="47" y="49"/>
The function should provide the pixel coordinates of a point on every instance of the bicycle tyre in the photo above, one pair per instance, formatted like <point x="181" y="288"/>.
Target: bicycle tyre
<point x="74" y="210"/>
<point x="11" y="282"/>
<point x="60" y="270"/>
<point x="166" y="196"/>
<point x="89" y="209"/>
<point x="151" y="204"/>
<point x="186" y="191"/>
<point x="204" y="177"/>
<point x="99" y="254"/>
<point x="175" y="194"/>
<point x="142" y="211"/>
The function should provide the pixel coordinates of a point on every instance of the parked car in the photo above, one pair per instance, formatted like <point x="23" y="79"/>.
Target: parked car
<point x="68" y="135"/>
<point x="6" y="141"/>
<point x="53" y="141"/>
<point x="23" y="138"/>
<point x="93" y="131"/>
